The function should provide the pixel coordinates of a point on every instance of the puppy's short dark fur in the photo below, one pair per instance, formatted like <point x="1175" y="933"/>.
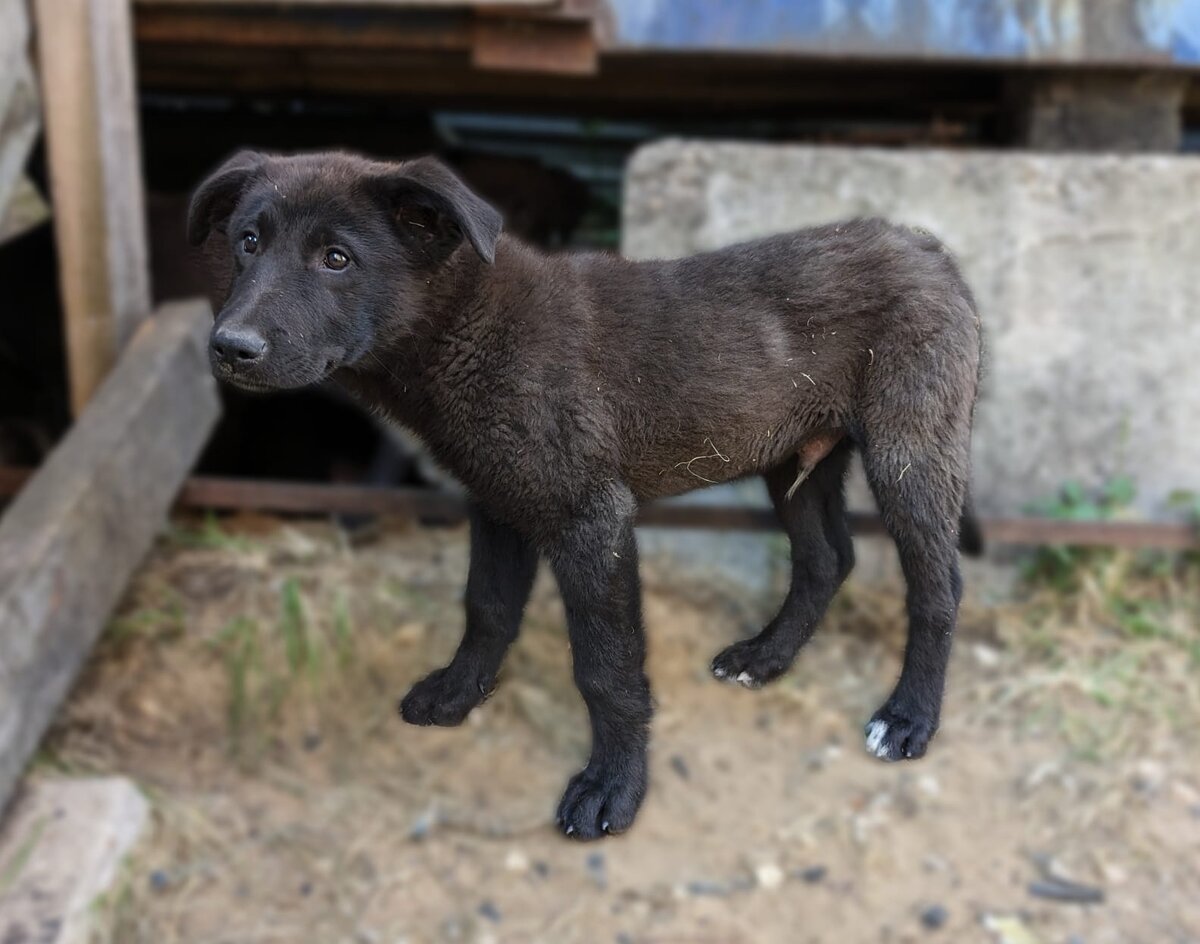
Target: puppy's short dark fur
<point x="565" y="390"/>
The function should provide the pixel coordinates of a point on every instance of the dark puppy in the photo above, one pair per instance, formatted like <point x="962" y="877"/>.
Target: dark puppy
<point x="565" y="390"/>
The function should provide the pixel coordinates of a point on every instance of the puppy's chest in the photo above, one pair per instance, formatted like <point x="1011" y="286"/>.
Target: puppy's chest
<point x="511" y="441"/>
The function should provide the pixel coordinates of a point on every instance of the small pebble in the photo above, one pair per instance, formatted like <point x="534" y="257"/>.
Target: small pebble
<point x="704" y="888"/>
<point x="623" y="938"/>
<point x="769" y="876"/>
<point x="516" y="861"/>
<point x="305" y="889"/>
<point x="679" y="765"/>
<point x="423" y="824"/>
<point x="311" y="741"/>
<point x="934" y="917"/>
<point x="1149" y="776"/>
<point x="541" y="869"/>
<point x="160" y="881"/>
<point x="814" y="874"/>
<point x="596" y="869"/>
<point x="489" y="910"/>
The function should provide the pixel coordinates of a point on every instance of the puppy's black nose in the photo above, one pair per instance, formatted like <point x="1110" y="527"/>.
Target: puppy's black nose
<point x="238" y="346"/>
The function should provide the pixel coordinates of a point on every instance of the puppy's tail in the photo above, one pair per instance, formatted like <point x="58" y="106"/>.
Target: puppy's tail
<point x="970" y="533"/>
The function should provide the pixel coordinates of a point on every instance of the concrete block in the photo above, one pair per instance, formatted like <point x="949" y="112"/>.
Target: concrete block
<point x="1086" y="268"/>
<point x="61" y="849"/>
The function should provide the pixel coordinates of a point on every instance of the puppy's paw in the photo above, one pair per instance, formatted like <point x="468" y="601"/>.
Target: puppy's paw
<point x="602" y="802"/>
<point x="444" y="697"/>
<point x="894" y="734"/>
<point x="752" y="663"/>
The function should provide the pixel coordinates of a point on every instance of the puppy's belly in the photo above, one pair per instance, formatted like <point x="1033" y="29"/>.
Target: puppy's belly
<point x="681" y="467"/>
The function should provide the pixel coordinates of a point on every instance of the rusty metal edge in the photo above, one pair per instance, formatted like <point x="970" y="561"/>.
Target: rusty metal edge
<point x="302" y="498"/>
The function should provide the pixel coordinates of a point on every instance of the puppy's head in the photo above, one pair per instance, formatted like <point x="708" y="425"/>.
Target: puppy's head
<point x="331" y="255"/>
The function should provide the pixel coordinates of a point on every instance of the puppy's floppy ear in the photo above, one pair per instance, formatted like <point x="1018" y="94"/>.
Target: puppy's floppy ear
<point x="433" y="209"/>
<point x="216" y="198"/>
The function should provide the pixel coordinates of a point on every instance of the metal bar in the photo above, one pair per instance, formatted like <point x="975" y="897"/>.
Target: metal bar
<point x="233" y="494"/>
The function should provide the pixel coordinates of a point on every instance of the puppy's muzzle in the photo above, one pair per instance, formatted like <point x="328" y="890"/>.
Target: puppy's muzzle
<point x="236" y="348"/>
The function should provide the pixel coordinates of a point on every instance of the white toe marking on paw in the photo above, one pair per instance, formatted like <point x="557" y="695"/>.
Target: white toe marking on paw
<point x="744" y="678"/>
<point x="719" y="672"/>
<point x="877" y="732"/>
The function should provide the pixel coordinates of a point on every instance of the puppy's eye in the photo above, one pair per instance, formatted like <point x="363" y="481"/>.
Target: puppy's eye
<point x="336" y="259"/>
<point x="249" y="243"/>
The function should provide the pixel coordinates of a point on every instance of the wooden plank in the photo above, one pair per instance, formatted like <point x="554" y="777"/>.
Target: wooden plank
<point x="86" y="70"/>
<point x="535" y="45"/>
<point x="282" y="29"/>
<point x="77" y="530"/>
<point x="511" y="39"/>
<point x="304" y="498"/>
<point x="350" y="4"/>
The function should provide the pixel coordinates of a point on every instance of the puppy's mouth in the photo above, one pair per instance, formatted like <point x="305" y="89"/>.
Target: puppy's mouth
<point x="259" y="381"/>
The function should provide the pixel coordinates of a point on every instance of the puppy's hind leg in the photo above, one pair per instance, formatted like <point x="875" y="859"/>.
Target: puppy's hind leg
<point x="810" y="503"/>
<point x="503" y="565"/>
<point x="920" y="493"/>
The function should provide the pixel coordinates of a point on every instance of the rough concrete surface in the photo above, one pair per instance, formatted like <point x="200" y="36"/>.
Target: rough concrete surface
<point x="60" y="850"/>
<point x="1086" y="268"/>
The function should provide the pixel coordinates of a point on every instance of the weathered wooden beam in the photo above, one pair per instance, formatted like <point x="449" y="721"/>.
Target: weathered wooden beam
<point x="535" y="45"/>
<point x="77" y="530"/>
<point x="534" y="39"/>
<point x="85" y="54"/>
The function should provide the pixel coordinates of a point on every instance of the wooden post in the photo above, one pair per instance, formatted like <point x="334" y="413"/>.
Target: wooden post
<point x="85" y="50"/>
<point x="73" y="537"/>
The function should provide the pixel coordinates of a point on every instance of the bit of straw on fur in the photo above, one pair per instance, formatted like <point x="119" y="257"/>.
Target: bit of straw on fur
<point x="715" y="454"/>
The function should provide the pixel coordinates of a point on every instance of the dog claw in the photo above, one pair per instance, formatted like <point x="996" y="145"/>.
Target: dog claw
<point x="570" y="830"/>
<point x="893" y="735"/>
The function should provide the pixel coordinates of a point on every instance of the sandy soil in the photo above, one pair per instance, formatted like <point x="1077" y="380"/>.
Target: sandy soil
<point x="250" y="686"/>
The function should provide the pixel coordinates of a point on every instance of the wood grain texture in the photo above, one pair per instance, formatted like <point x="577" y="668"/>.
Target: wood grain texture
<point x="85" y="52"/>
<point x="71" y="539"/>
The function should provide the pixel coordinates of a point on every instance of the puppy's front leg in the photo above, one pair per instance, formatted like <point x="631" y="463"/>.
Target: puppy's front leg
<point x="503" y="565"/>
<point x="595" y="561"/>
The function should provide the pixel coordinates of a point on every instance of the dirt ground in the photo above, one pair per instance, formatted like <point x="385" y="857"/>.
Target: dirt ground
<point x="249" y="685"/>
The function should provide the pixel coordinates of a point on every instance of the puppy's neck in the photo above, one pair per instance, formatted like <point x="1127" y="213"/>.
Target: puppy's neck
<point x="468" y="308"/>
